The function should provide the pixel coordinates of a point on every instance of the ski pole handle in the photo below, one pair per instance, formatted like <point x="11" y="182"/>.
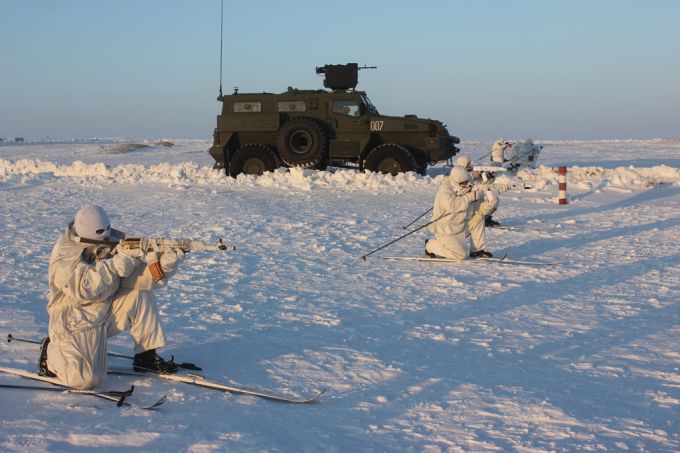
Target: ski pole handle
<point x="23" y="340"/>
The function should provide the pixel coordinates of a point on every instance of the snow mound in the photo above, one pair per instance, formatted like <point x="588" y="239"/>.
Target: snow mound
<point x="25" y="171"/>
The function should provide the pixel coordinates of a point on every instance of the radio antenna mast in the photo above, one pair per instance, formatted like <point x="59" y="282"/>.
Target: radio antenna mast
<point x="221" y="35"/>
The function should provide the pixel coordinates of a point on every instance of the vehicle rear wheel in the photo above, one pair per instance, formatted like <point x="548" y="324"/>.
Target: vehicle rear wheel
<point x="390" y="159"/>
<point x="252" y="160"/>
<point x="302" y="143"/>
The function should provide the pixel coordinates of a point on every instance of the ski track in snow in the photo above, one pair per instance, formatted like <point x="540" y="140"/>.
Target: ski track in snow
<point x="415" y="356"/>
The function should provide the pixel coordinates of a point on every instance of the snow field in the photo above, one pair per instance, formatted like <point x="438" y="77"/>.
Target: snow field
<point x="415" y="356"/>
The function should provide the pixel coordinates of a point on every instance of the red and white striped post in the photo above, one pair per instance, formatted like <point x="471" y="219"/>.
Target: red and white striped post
<point x="562" y="181"/>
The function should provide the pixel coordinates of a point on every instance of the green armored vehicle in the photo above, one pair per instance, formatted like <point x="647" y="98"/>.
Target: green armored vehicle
<point x="259" y="132"/>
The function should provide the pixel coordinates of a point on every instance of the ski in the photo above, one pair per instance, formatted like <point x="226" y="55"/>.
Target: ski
<point x="114" y="393"/>
<point x="199" y="380"/>
<point x="503" y="227"/>
<point x="516" y="228"/>
<point x="118" y="397"/>
<point x="503" y="260"/>
<point x="185" y="365"/>
<point x="190" y="378"/>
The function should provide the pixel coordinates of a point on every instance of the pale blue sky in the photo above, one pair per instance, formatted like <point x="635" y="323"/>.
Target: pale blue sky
<point x="545" y="69"/>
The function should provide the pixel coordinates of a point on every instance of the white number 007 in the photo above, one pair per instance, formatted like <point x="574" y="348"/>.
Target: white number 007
<point x="376" y="125"/>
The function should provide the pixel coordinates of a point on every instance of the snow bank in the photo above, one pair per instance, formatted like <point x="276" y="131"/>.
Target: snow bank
<point x="23" y="171"/>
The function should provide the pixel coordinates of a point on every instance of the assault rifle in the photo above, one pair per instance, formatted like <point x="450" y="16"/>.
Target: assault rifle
<point x="488" y="168"/>
<point x="163" y="244"/>
<point x="501" y="187"/>
<point x="157" y="244"/>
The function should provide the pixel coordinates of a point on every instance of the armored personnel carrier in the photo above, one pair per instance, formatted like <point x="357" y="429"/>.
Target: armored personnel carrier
<point x="339" y="126"/>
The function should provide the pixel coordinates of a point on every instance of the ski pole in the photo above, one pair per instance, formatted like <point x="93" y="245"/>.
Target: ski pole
<point x="417" y="218"/>
<point x="10" y="337"/>
<point x="114" y="393"/>
<point x="402" y="237"/>
<point x="482" y="157"/>
<point x="23" y="340"/>
<point x="185" y="365"/>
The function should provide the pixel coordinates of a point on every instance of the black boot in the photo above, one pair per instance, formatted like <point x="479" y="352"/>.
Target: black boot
<point x="43" y="370"/>
<point x="481" y="254"/>
<point x="428" y="254"/>
<point x="150" y="361"/>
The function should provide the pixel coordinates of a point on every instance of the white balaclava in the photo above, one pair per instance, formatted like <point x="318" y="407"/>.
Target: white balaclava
<point x="464" y="161"/>
<point x="92" y="222"/>
<point x="458" y="175"/>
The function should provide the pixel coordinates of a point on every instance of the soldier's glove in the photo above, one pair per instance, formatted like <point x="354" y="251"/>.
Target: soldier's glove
<point x="124" y="264"/>
<point x="170" y="259"/>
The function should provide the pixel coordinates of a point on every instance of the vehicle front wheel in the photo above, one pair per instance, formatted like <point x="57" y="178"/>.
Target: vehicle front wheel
<point x="252" y="160"/>
<point x="390" y="159"/>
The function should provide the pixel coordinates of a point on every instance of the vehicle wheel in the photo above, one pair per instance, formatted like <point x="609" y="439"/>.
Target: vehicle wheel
<point x="390" y="159"/>
<point x="252" y="160"/>
<point x="322" y="164"/>
<point x="302" y="143"/>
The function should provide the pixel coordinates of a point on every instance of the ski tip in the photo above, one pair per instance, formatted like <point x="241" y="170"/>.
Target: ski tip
<point x="314" y="398"/>
<point x="157" y="403"/>
<point x="160" y="401"/>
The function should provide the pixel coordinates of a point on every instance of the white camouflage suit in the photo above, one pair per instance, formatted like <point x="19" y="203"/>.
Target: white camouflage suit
<point x="458" y="211"/>
<point x="91" y="299"/>
<point x="498" y="150"/>
<point x="479" y="209"/>
<point x="525" y="154"/>
<point x="484" y="206"/>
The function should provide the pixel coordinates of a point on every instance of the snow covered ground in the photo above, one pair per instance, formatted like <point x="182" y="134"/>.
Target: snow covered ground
<point x="415" y="356"/>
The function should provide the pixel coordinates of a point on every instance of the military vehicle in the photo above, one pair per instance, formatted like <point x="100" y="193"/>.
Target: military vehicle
<point x="259" y="132"/>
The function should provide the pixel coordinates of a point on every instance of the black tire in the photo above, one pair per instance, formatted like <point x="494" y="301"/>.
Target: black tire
<point x="322" y="164"/>
<point x="390" y="159"/>
<point x="302" y="143"/>
<point x="252" y="160"/>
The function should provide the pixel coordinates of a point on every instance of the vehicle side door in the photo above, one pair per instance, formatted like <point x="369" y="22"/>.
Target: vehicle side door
<point x="351" y="125"/>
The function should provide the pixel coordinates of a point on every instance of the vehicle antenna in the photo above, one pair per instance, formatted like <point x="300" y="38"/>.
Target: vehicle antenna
<point x="221" y="35"/>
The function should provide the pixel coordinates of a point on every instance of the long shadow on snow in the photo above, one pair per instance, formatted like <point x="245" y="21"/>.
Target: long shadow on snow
<point x="385" y="338"/>
<point x="531" y="371"/>
<point x="641" y="198"/>
<point x="540" y="246"/>
<point x="513" y="298"/>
